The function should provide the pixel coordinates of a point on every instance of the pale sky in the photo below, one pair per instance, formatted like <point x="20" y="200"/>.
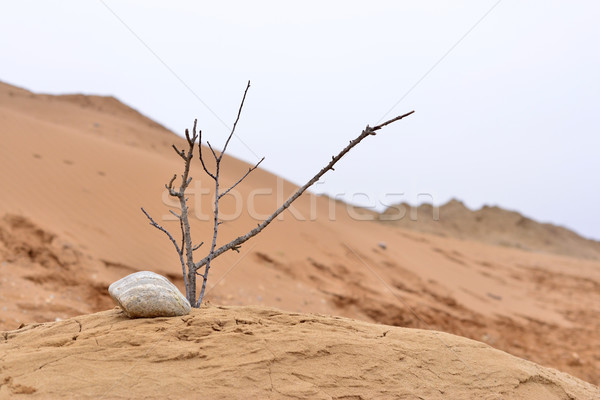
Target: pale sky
<point x="506" y="93"/>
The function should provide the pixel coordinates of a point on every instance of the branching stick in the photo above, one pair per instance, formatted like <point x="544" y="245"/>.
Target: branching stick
<point x="236" y="243"/>
<point x="186" y="250"/>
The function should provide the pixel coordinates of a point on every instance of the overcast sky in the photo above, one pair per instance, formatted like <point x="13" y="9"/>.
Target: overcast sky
<point x="506" y="93"/>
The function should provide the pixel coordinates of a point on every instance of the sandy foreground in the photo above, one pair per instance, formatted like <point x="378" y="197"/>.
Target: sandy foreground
<point x="259" y="353"/>
<point x="76" y="169"/>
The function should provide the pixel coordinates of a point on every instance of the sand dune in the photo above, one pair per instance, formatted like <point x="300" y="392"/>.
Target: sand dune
<point x="491" y="225"/>
<point x="76" y="170"/>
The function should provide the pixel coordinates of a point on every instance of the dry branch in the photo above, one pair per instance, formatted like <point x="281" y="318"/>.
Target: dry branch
<point x="179" y="250"/>
<point x="189" y="267"/>
<point x="236" y="243"/>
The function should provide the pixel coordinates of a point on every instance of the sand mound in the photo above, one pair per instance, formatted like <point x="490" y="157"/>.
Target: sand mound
<point x="492" y="225"/>
<point x="259" y="353"/>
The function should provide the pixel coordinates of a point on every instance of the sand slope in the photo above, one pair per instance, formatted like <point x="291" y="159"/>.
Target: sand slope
<point x="76" y="169"/>
<point x="263" y="353"/>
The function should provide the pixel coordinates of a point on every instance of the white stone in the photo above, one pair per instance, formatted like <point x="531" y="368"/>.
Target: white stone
<point x="146" y="294"/>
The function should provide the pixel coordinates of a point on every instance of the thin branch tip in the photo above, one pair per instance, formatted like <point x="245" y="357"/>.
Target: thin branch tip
<point x="398" y="118"/>
<point x="170" y="185"/>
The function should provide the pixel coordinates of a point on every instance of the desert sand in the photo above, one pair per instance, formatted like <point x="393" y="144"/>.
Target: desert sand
<point x="259" y="353"/>
<point x="75" y="171"/>
<point x="491" y="224"/>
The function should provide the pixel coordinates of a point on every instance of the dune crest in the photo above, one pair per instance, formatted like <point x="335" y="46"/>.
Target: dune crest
<point x="493" y="225"/>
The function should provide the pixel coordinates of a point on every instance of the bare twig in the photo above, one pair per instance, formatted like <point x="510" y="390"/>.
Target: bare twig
<point x="197" y="246"/>
<point x="236" y="243"/>
<point x="211" y="149"/>
<point x="189" y="267"/>
<point x="242" y="178"/>
<point x="179" y="250"/>
<point x="157" y="226"/>
<point x="236" y="122"/>
<point x="204" y="165"/>
<point x="218" y="197"/>
<point x="187" y="263"/>
<point x="169" y="186"/>
<point x="182" y="245"/>
<point x="179" y="152"/>
<point x="378" y="127"/>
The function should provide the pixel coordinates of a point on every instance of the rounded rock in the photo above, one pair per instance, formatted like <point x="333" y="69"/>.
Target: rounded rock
<point x="146" y="294"/>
